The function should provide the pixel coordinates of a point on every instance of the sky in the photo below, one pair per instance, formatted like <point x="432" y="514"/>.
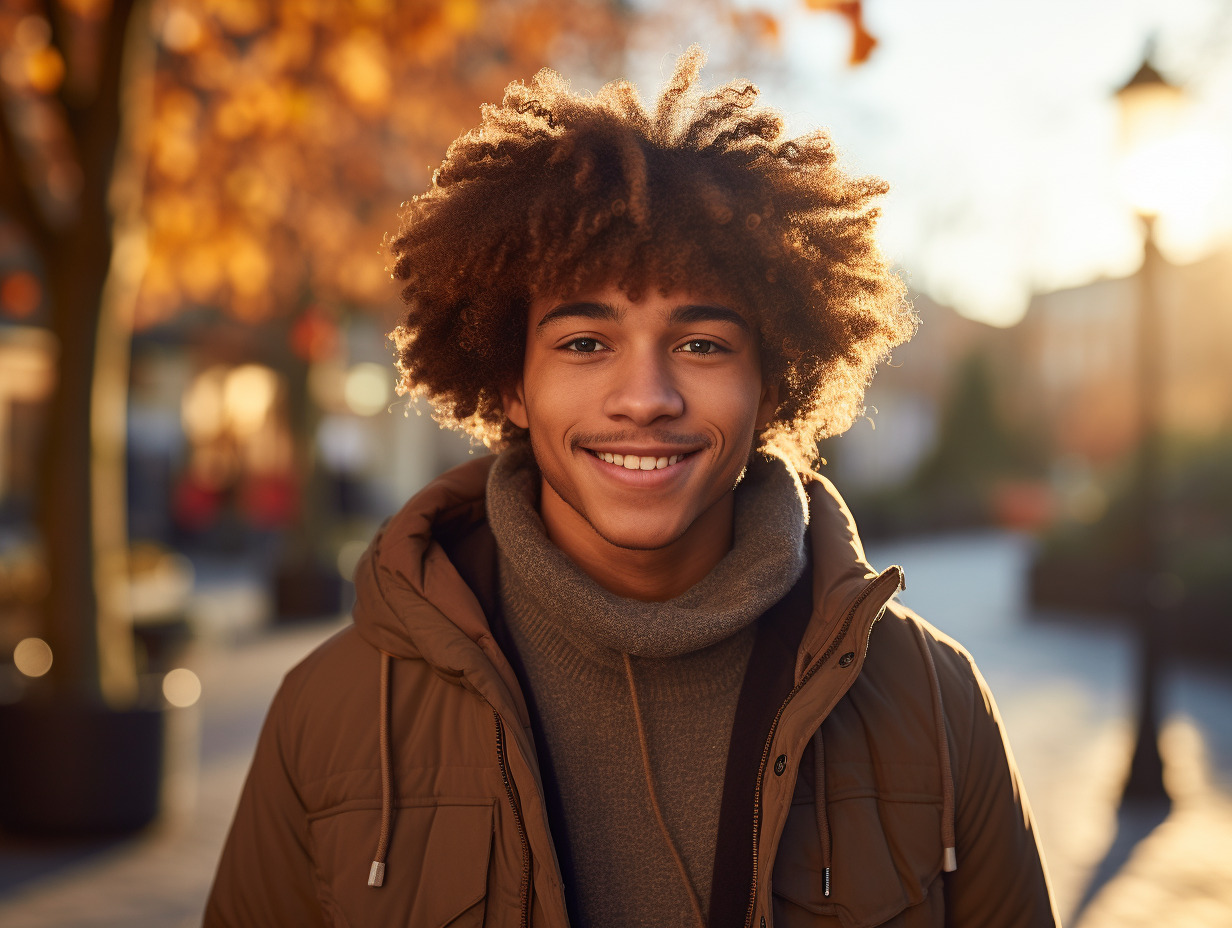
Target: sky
<point x="996" y="126"/>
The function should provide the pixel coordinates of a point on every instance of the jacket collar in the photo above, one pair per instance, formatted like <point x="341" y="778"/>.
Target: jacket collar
<point x="411" y="601"/>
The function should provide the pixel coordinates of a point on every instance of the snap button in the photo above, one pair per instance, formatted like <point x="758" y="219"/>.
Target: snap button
<point x="846" y="659"/>
<point x="780" y="764"/>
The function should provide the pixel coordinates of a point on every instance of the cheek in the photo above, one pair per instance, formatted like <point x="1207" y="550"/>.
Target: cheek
<point x="733" y="405"/>
<point x="553" y="407"/>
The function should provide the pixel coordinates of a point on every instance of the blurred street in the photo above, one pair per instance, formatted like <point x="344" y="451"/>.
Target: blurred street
<point x="1065" y="694"/>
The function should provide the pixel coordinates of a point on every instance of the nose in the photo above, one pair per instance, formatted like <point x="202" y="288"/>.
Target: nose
<point x="642" y="391"/>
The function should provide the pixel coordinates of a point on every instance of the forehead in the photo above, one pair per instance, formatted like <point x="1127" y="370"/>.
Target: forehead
<point x="611" y="304"/>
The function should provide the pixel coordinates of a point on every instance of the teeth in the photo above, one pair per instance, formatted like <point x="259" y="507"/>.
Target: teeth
<point x="638" y="462"/>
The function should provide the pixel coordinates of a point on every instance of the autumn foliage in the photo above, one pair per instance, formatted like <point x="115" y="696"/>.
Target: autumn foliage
<point x="278" y="136"/>
<point x="284" y="135"/>
<point x="242" y="157"/>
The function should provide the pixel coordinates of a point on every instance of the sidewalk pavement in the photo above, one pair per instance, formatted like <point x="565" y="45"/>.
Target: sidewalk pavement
<point x="1065" y="694"/>
<point x="160" y="878"/>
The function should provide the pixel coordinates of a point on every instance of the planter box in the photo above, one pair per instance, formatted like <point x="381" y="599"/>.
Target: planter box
<point x="307" y="591"/>
<point x="1197" y="625"/>
<point x="78" y="769"/>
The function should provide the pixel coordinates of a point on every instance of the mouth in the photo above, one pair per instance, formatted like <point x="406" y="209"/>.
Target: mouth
<point x="639" y="461"/>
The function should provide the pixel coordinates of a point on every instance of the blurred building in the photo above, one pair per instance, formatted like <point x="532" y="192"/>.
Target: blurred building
<point x="1062" y="385"/>
<point x="1074" y="360"/>
<point x="269" y="453"/>
<point x="904" y="403"/>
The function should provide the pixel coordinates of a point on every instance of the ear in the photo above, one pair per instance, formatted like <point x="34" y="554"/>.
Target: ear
<point x="769" y="402"/>
<point x="513" y="402"/>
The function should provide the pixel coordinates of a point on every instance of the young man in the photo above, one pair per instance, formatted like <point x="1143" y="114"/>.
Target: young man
<point x="635" y="670"/>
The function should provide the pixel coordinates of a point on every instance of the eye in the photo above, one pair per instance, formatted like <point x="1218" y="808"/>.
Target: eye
<point x="700" y="346"/>
<point x="584" y="345"/>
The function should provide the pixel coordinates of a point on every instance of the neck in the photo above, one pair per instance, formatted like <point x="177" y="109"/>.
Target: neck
<point x="649" y="575"/>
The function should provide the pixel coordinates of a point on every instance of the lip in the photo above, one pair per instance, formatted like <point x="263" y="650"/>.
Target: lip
<point x="642" y="450"/>
<point x="642" y="478"/>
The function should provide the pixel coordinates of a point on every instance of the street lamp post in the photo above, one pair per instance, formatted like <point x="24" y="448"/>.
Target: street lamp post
<point x="1146" y="771"/>
<point x="1150" y="110"/>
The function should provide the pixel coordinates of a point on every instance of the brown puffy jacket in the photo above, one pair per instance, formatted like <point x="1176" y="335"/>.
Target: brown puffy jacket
<point x="400" y="753"/>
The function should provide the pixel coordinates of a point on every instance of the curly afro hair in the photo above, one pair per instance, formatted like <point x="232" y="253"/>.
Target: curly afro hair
<point x="554" y="192"/>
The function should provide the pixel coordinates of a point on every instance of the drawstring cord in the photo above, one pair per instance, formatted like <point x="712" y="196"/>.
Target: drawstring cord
<point x="823" y="818"/>
<point x="654" y="799"/>
<point x="376" y="875"/>
<point x="949" y="861"/>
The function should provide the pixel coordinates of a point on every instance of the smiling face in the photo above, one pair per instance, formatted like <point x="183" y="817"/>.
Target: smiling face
<point x="641" y="417"/>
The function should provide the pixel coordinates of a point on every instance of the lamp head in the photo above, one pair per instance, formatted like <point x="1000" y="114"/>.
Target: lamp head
<point x="1151" y="116"/>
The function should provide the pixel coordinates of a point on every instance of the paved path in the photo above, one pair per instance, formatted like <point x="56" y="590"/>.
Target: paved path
<point x="160" y="879"/>
<point x="1064" y="693"/>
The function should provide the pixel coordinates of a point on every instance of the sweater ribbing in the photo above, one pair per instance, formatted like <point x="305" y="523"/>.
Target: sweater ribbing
<point x="570" y="634"/>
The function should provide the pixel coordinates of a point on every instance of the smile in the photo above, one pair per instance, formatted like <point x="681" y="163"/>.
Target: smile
<point x="638" y="462"/>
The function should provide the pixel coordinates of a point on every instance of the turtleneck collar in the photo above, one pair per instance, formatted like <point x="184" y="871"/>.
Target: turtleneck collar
<point x="766" y="559"/>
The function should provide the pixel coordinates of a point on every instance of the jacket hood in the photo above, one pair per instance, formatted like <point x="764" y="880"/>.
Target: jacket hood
<point x="411" y="602"/>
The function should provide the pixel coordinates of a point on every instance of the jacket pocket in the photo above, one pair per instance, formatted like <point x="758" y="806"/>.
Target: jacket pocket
<point x="885" y="866"/>
<point x="436" y="869"/>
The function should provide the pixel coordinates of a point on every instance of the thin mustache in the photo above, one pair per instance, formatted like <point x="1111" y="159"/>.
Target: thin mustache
<point x="618" y="438"/>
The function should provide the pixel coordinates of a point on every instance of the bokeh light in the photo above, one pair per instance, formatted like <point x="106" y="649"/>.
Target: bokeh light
<point x="32" y="657"/>
<point x="181" y="687"/>
<point x="201" y="408"/>
<point x="20" y="295"/>
<point x="248" y="394"/>
<point x="367" y="388"/>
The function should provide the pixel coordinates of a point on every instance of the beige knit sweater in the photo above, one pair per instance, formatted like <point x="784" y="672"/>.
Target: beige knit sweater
<point x="687" y="658"/>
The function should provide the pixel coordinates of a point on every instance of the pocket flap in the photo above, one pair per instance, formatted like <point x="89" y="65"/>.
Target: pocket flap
<point x="436" y="868"/>
<point x="885" y="855"/>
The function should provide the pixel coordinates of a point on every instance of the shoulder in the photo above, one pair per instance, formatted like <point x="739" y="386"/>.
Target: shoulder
<point x="913" y="669"/>
<point x="902" y="646"/>
<point x="325" y="717"/>
<point x="341" y="670"/>
<point x="325" y="706"/>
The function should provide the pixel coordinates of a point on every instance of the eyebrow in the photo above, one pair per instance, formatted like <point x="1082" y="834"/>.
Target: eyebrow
<point x="604" y="312"/>
<point x="679" y="315"/>
<point x="682" y="315"/>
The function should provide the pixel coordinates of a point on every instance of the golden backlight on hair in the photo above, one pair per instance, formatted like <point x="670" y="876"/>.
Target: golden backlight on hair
<point x="554" y="192"/>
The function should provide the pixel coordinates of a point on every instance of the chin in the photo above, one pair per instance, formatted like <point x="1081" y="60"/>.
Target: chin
<point x="638" y="537"/>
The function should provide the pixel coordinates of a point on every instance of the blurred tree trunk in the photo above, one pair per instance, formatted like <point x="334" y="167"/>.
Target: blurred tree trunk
<point x="76" y="256"/>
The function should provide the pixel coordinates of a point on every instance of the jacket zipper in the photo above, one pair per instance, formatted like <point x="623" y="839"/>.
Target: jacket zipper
<point x="765" y="754"/>
<point x="524" y="889"/>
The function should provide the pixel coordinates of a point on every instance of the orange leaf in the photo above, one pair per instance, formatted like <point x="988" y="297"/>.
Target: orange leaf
<point x="45" y="70"/>
<point x="763" y="26"/>
<point x="862" y="41"/>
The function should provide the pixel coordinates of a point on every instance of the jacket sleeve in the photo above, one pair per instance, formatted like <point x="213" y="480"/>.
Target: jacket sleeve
<point x="265" y="874"/>
<point x="1001" y="877"/>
